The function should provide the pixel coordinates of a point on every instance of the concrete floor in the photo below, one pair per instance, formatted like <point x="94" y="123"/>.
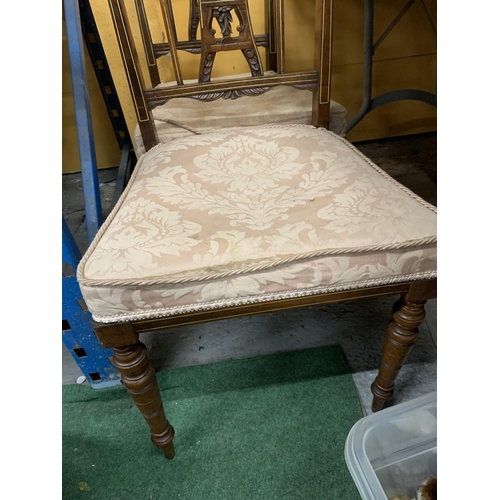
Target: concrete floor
<point x="358" y="327"/>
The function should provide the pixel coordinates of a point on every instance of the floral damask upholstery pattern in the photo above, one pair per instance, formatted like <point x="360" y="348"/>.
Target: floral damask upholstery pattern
<point x="253" y="214"/>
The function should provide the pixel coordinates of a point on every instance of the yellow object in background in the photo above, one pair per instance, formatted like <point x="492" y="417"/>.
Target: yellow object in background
<point x="107" y="149"/>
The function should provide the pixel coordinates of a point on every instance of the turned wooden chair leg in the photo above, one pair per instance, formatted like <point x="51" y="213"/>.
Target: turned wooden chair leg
<point x="138" y="376"/>
<point x="402" y="332"/>
<point x="399" y="303"/>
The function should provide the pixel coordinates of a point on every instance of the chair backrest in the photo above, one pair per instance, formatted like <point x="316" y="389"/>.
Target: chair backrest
<point x="210" y="15"/>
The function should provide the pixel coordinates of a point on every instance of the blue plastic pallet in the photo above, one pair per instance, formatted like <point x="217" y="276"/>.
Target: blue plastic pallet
<point x="77" y="334"/>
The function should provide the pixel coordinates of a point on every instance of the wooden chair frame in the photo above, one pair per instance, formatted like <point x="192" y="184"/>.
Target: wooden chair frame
<point x="146" y="99"/>
<point x="138" y="375"/>
<point x="130" y="356"/>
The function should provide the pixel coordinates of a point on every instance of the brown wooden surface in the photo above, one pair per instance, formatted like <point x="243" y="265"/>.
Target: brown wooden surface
<point x="147" y="43"/>
<point x="323" y="62"/>
<point x="194" y="46"/>
<point x="279" y="28"/>
<point x="266" y="307"/>
<point x="115" y="334"/>
<point x="135" y="78"/>
<point x="211" y="42"/>
<point x="123" y="334"/>
<point x="138" y="376"/>
<point x="160" y="95"/>
<point x="194" y="19"/>
<point x="270" y="23"/>
<point x="168" y="19"/>
<point x="402" y="332"/>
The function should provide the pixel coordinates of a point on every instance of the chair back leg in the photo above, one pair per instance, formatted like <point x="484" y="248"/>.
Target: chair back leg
<point x="323" y="63"/>
<point x="402" y="332"/>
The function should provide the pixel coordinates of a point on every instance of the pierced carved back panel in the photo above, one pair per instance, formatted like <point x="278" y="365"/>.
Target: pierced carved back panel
<point x="239" y="37"/>
<point x="224" y="25"/>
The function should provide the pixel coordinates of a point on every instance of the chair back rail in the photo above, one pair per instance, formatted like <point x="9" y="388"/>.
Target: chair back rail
<point x="323" y="62"/>
<point x="209" y="14"/>
<point x="134" y="74"/>
<point x="147" y="41"/>
<point x="279" y="23"/>
<point x="270" y="18"/>
<point x="168" y="19"/>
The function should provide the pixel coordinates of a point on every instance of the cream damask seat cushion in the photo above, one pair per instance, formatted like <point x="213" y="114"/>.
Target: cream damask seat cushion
<point x="250" y="215"/>
<point x="184" y="116"/>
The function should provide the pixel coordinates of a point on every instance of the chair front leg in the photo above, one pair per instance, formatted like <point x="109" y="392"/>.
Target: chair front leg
<point x="402" y="332"/>
<point x="138" y="376"/>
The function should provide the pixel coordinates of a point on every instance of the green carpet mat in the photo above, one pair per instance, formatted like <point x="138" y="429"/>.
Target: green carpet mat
<point x="271" y="427"/>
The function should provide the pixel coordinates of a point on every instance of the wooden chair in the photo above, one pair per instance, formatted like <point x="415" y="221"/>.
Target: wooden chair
<point x="244" y="221"/>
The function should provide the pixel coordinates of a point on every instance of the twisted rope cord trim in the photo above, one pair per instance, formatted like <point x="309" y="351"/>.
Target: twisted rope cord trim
<point x="256" y="267"/>
<point x="266" y="297"/>
<point x="250" y="269"/>
<point x="431" y="207"/>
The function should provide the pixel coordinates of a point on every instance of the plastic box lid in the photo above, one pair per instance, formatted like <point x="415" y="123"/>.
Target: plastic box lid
<point x="392" y="452"/>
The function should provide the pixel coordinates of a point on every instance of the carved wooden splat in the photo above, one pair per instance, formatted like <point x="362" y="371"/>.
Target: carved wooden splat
<point x="194" y="19"/>
<point x="222" y="13"/>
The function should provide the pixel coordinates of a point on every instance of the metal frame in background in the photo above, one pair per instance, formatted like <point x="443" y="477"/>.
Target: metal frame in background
<point x="369" y="103"/>
<point x="95" y="49"/>
<point x="77" y="333"/>
<point x="86" y="144"/>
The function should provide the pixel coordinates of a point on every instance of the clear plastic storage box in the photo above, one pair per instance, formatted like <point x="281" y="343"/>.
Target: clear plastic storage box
<point x="392" y="452"/>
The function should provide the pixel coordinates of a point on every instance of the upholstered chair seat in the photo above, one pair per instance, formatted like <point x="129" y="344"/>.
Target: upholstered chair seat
<point x="249" y="215"/>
